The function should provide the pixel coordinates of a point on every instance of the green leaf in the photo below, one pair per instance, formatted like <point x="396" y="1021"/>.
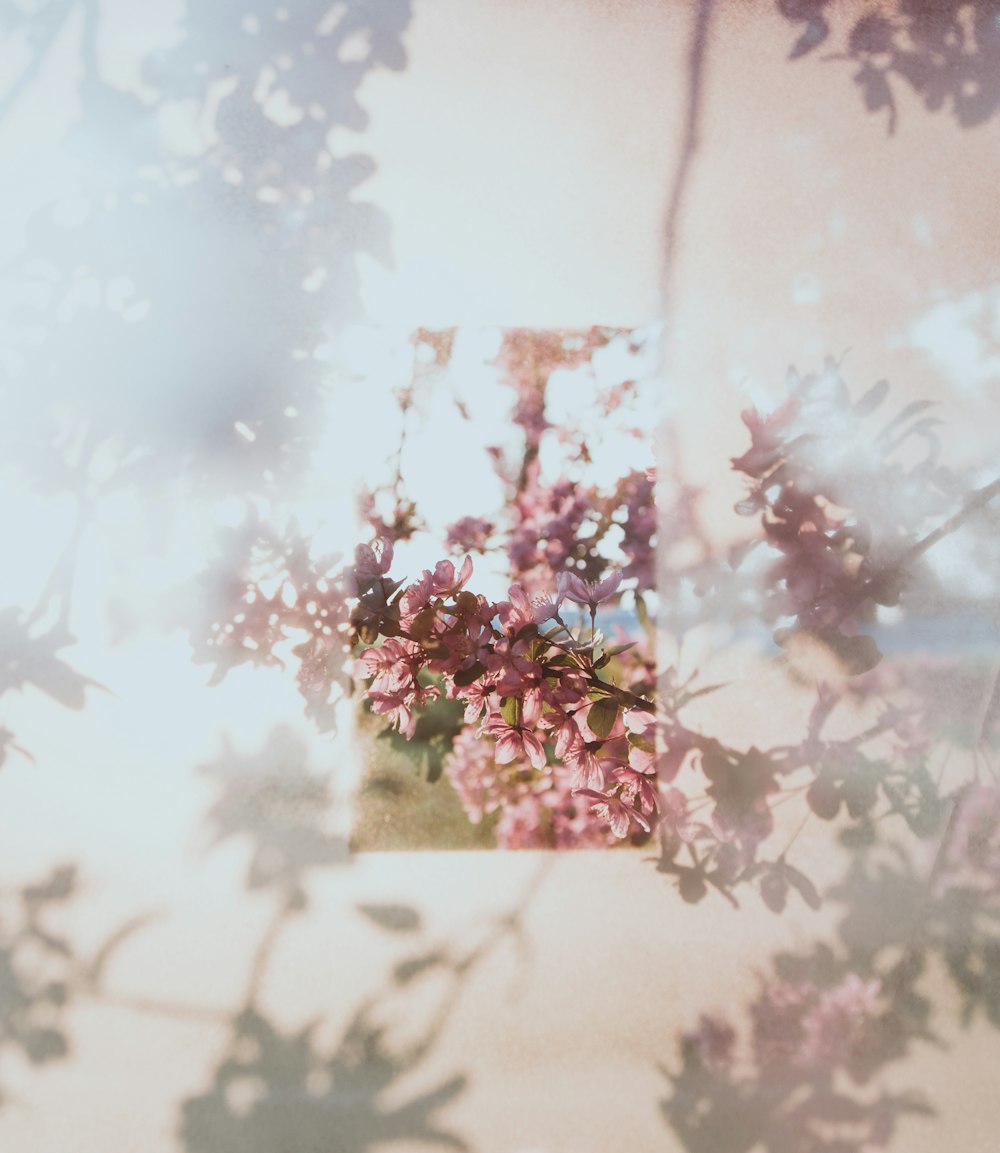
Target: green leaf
<point x="466" y="602"/>
<point x="602" y="717"/>
<point x="467" y="676"/>
<point x="641" y="611"/>
<point x="536" y="647"/>
<point x="423" y="623"/>
<point x="638" y="741"/>
<point x="434" y="648"/>
<point x="510" y="710"/>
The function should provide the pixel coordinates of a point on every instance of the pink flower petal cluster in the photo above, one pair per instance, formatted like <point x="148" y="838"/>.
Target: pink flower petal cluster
<point x="469" y="534"/>
<point x="534" y="808"/>
<point x="589" y="593"/>
<point x="371" y="561"/>
<point x="538" y="700"/>
<point x="803" y="1026"/>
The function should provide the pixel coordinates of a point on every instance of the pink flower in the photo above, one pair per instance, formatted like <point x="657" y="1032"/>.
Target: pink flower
<point x="637" y="785"/>
<point x="393" y="658"/>
<point x="588" y="772"/>
<point x="567" y="735"/>
<point x="514" y="742"/>
<point x="393" y="706"/>
<point x="520" y="611"/>
<point x="515" y="671"/>
<point x="469" y="534"/>
<point x="642" y="735"/>
<point x="416" y="597"/>
<point x="445" y="582"/>
<point x="570" y="689"/>
<point x="571" y="587"/>
<point x="476" y="697"/>
<point x="372" y="562"/>
<point x="641" y="760"/>
<point x="471" y="768"/>
<point x="531" y="705"/>
<point x="641" y="723"/>
<point x="394" y="667"/>
<point x="615" y="810"/>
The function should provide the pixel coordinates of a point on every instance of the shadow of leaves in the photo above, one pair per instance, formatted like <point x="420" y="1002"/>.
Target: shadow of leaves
<point x="42" y="973"/>
<point x="274" y="800"/>
<point x="946" y="52"/>
<point x="806" y="1069"/>
<point x="276" y="1090"/>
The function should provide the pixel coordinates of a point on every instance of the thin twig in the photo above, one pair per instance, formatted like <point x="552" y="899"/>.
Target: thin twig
<point x="978" y="500"/>
<point x="697" y="54"/>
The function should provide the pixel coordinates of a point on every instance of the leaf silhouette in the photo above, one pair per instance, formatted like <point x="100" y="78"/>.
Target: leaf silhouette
<point x="396" y="918"/>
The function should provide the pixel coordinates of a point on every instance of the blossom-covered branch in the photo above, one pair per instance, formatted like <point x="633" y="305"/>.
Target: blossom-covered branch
<point x="530" y="684"/>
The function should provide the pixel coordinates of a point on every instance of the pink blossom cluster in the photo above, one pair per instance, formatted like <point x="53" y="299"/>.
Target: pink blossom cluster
<point x="469" y="534"/>
<point x="806" y="1027"/>
<point x="635" y="496"/>
<point x="536" y="810"/>
<point x="566" y="744"/>
<point x="445" y="641"/>
<point x="274" y="594"/>
<point x="838" y="503"/>
<point x="796" y="1025"/>
<point x="545" y="536"/>
<point x="822" y="556"/>
<point x="558" y="525"/>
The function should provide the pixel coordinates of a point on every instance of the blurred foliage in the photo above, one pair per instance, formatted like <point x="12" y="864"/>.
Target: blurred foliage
<point x="404" y="800"/>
